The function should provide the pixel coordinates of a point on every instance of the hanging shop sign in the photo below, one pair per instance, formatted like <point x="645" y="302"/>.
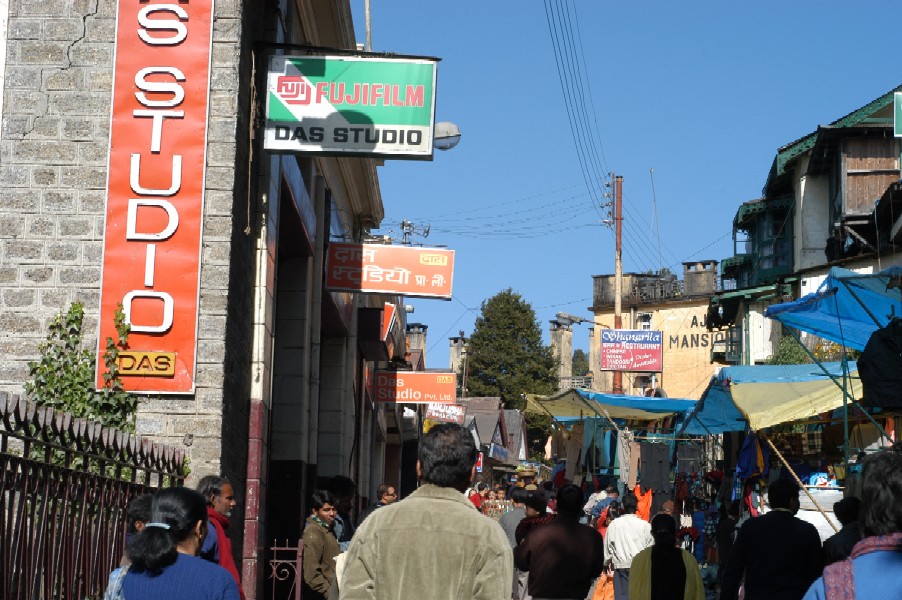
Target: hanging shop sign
<point x="348" y="105"/>
<point x="415" y="387"/>
<point x="381" y="269"/>
<point x="897" y="114"/>
<point x="447" y="413"/>
<point x="155" y="192"/>
<point x="632" y="350"/>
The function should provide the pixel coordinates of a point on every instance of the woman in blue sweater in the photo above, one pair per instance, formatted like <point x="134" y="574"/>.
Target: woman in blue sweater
<point x="164" y="562"/>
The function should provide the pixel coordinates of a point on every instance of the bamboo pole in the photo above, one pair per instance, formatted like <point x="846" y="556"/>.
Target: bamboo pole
<point x="799" y="481"/>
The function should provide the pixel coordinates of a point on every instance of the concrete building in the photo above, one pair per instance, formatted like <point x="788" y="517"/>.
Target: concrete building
<point x="675" y="308"/>
<point x="281" y="392"/>
<point x="831" y="199"/>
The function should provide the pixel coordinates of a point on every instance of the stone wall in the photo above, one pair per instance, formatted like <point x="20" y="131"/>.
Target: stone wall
<point x="53" y="167"/>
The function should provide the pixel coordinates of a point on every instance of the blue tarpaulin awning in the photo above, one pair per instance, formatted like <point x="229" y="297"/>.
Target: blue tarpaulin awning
<point x="761" y="396"/>
<point x="576" y="404"/>
<point x="847" y="307"/>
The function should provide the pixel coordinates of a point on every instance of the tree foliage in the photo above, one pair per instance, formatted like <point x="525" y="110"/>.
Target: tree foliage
<point x="63" y="377"/>
<point x="580" y="363"/>
<point x="789" y="352"/>
<point x="506" y="358"/>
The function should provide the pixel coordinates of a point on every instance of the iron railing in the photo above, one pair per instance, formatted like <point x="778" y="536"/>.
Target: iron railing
<point x="64" y="486"/>
<point x="285" y="570"/>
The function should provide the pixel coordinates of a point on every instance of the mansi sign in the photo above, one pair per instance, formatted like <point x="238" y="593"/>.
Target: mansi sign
<point x="350" y="106"/>
<point x="155" y="191"/>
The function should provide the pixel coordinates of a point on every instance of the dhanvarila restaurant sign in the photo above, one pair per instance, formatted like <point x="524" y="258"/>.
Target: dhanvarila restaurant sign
<point x="348" y="105"/>
<point x="380" y="269"/>
<point x="632" y="350"/>
<point x="415" y="387"/>
<point x="154" y="207"/>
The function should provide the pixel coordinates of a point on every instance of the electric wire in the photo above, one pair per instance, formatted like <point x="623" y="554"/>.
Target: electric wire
<point x="558" y="55"/>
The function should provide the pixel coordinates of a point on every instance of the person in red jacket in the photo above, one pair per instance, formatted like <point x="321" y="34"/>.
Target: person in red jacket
<point x="217" y="547"/>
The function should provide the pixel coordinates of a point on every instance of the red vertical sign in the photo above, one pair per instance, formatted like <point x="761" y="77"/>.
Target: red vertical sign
<point x="154" y="211"/>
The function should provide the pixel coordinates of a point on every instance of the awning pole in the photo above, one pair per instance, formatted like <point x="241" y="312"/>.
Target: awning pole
<point x="798" y="481"/>
<point x="840" y="386"/>
<point x="845" y="380"/>
<point x="860" y="303"/>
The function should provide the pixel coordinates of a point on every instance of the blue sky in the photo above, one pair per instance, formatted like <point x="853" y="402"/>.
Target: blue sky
<point x="702" y="92"/>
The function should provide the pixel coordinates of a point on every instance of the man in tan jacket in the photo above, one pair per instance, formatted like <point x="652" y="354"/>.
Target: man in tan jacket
<point x="434" y="543"/>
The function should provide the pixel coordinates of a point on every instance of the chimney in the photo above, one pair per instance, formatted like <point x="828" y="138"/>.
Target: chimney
<point x="700" y="278"/>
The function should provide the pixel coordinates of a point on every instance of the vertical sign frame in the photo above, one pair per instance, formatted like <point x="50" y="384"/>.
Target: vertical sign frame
<point x="155" y="191"/>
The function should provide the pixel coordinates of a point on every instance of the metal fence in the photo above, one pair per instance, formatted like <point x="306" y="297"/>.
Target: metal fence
<point x="64" y="486"/>
<point x="285" y="570"/>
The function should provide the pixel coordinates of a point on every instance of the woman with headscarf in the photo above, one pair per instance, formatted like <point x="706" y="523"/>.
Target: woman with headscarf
<point x="663" y="571"/>
<point x="163" y="555"/>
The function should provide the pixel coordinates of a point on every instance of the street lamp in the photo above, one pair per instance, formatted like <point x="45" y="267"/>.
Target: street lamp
<point x="446" y="136"/>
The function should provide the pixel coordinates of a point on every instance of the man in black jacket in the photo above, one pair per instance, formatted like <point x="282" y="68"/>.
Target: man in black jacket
<point x="563" y="557"/>
<point x="385" y="494"/>
<point x="779" y="554"/>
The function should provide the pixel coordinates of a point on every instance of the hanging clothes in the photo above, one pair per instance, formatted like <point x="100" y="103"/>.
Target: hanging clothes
<point x="624" y="440"/>
<point x="754" y="458"/>
<point x="654" y="466"/>
<point x="574" y="448"/>
<point x="593" y="445"/>
<point x="635" y="457"/>
<point x="689" y="458"/>
<point x="643" y="511"/>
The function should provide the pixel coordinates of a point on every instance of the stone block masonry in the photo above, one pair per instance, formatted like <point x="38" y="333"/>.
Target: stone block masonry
<point x="53" y="169"/>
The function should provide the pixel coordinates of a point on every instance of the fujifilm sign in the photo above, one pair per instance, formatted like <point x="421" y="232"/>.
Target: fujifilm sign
<point x="351" y="106"/>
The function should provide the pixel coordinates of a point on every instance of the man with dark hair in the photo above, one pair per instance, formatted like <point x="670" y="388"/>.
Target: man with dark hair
<point x="433" y="544"/>
<point x="626" y="536"/>
<point x="137" y="514"/>
<point x="839" y="545"/>
<point x="345" y="491"/>
<point x="512" y="518"/>
<point x="509" y="522"/>
<point x="872" y="570"/>
<point x="217" y="547"/>
<point x="564" y="556"/>
<point x="779" y="554"/>
<point x="385" y="495"/>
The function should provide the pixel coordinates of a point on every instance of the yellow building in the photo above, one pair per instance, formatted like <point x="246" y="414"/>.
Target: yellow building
<point x="678" y="309"/>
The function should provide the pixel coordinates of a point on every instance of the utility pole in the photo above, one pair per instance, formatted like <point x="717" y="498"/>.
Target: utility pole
<point x="618" y="270"/>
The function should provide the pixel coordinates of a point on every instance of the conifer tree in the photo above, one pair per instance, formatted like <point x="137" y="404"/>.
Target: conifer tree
<point x="506" y="358"/>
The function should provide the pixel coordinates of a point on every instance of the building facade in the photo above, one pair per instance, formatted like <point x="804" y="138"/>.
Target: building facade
<point x="831" y="199"/>
<point x="281" y="395"/>
<point x="678" y="309"/>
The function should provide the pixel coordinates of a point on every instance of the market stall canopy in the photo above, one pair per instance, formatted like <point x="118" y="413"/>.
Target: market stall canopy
<point x="766" y="395"/>
<point x="575" y="404"/>
<point x="847" y="307"/>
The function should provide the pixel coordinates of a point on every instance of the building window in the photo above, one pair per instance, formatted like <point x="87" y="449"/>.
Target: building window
<point x="643" y="320"/>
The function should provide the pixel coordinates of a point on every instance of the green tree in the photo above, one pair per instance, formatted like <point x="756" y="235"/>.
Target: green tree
<point x="506" y="358"/>
<point x="63" y="378"/>
<point x="789" y="352"/>
<point x="580" y="363"/>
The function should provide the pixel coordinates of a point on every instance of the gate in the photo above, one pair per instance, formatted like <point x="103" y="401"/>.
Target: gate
<point x="285" y="570"/>
<point x="64" y="486"/>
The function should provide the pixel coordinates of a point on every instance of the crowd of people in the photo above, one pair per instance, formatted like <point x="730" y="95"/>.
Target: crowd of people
<point x="177" y="546"/>
<point x="546" y="543"/>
